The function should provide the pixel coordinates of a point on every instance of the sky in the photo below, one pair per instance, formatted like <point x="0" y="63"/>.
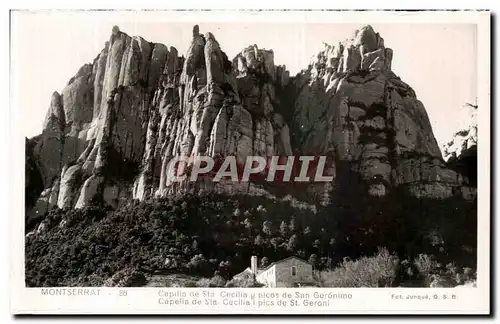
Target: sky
<point x="438" y="60"/>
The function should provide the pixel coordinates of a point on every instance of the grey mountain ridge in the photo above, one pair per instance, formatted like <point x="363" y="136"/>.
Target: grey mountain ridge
<point x="110" y="132"/>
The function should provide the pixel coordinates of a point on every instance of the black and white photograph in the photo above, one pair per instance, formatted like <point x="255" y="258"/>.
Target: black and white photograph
<point x="216" y="153"/>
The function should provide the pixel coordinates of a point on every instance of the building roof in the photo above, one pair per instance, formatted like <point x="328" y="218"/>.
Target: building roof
<point x="247" y="270"/>
<point x="282" y="260"/>
<point x="260" y="270"/>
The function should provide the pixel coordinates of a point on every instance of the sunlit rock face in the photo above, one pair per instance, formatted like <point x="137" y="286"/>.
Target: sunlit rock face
<point x="460" y="152"/>
<point x="465" y="137"/>
<point x="110" y="133"/>
<point x="350" y="103"/>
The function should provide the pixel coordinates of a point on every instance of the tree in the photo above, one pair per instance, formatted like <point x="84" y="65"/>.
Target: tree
<point x="292" y="243"/>
<point x="237" y="213"/>
<point x="284" y="229"/>
<point x="302" y="254"/>
<point x="259" y="241"/>
<point x="276" y="242"/>
<point x="180" y="239"/>
<point x="224" y="267"/>
<point x="198" y="262"/>
<point x="194" y="246"/>
<point x="322" y="262"/>
<point x="332" y="246"/>
<point x="293" y="225"/>
<point x="264" y="262"/>
<point x="329" y="263"/>
<point x="313" y="259"/>
<point x="317" y="245"/>
<point x="266" y="228"/>
<point x="248" y="225"/>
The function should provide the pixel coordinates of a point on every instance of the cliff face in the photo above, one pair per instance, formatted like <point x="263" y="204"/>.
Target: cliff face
<point x="114" y="127"/>
<point x="464" y="140"/>
<point x="460" y="152"/>
<point x="351" y="104"/>
<point x="207" y="105"/>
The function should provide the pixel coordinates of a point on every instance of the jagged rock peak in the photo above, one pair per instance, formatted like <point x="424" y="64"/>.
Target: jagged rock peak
<point x="261" y="62"/>
<point x="115" y="31"/>
<point x="363" y="52"/>
<point x="465" y="137"/>
<point x="55" y="114"/>
<point x="209" y="36"/>
<point x="351" y="104"/>
<point x="368" y="38"/>
<point x="120" y="120"/>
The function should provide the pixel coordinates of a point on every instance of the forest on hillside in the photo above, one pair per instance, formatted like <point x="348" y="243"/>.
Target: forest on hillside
<point x="216" y="235"/>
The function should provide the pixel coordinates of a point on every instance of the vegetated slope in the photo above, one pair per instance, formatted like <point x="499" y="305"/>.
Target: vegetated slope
<point x="201" y="235"/>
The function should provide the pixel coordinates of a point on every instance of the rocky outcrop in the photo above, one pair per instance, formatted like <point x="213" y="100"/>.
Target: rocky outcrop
<point x="464" y="140"/>
<point x="350" y="104"/>
<point x="460" y="152"/>
<point x="118" y="122"/>
<point x="48" y="147"/>
<point x="207" y="105"/>
<point x="113" y="129"/>
<point x="98" y="124"/>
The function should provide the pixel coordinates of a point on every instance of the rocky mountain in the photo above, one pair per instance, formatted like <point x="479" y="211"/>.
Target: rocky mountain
<point x="111" y="131"/>
<point x="461" y="151"/>
<point x="465" y="138"/>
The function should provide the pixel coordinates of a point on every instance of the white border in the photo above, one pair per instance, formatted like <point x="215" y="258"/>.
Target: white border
<point x="472" y="300"/>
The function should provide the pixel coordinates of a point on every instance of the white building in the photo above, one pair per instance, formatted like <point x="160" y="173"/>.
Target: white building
<point x="289" y="272"/>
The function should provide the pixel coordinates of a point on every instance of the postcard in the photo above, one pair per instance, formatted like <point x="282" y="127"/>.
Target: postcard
<point x="250" y="162"/>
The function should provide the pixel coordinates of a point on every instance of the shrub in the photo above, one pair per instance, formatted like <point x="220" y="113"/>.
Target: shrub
<point x="136" y="279"/>
<point x="425" y="264"/>
<point x="379" y="270"/>
<point x="203" y="282"/>
<point x="125" y="278"/>
<point x="433" y="274"/>
<point x="243" y="283"/>
<point x="215" y="281"/>
<point x="246" y="281"/>
<point x="190" y="283"/>
<point x="468" y="275"/>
